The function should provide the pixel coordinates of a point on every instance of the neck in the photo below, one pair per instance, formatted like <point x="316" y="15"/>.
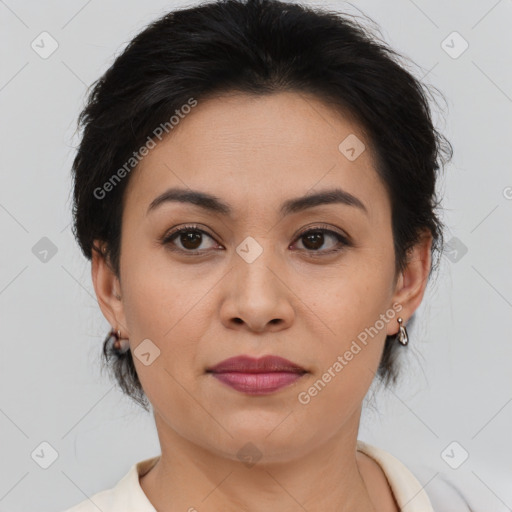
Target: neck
<point x="189" y="477"/>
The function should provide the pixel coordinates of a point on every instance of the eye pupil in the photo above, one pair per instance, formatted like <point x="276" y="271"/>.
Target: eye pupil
<point x="316" y="237"/>
<point x="191" y="237"/>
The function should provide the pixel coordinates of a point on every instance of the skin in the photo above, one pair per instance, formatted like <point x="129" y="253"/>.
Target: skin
<point x="254" y="153"/>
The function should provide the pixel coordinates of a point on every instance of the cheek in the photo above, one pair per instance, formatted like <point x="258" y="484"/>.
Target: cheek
<point x="355" y="312"/>
<point x="347" y="361"/>
<point x="167" y="308"/>
<point x="157" y="298"/>
<point x="156" y="311"/>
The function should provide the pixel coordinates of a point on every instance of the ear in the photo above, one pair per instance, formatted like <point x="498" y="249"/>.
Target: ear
<point x="108" y="290"/>
<point x="412" y="282"/>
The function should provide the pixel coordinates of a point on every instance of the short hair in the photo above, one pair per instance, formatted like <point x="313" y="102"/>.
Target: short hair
<point x="257" y="47"/>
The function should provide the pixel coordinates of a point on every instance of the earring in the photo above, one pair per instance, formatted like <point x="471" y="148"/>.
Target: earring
<point x="121" y="345"/>
<point x="402" y="335"/>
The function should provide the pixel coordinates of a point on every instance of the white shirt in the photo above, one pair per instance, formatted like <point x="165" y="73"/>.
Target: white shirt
<point x="127" y="495"/>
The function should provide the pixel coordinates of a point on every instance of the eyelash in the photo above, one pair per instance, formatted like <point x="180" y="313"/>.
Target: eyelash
<point x="344" y="241"/>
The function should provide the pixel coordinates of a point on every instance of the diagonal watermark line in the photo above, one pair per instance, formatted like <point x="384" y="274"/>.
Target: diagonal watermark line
<point x="492" y="81"/>
<point x="3" y="3"/>
<point x="421" y="490"/>
<point x="87" y="412"/>
<point x="498" y="2"/>
<point x="415" y="414"/>
<point x="457" y="491"/>
<point x="478" y="432"/>
<point x="333" y="333"/>
<point x="284" y="489"/>
<point x="13" y="279"/>
<point x="13" y="217"/>
<point x="14" y="76"/>
<point x="14" y="424"/>
<point x="491" y="490"/>
<point x="75" y="15"/>
<point x="216" y="487"/>
<point x="74" y="73"/>
<point x="502" y="296"/>
<point x="79" y="283"/>
<point x="425" y="14"/>
<point x="88" y="497"/>
<point x="429" y="71"/>
<point x="64" y="228"/>
<point x="199" y="403"/>
<point x="492" y="211"/>
<point x="280" y="423"/>
<point x="316" y="111"/>
<point x="14" y="485"/>
<point x="380" y="378"/>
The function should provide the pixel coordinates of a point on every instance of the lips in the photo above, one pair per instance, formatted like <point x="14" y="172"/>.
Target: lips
<point x="266" y="364"/>
<point x="257" y="376"/>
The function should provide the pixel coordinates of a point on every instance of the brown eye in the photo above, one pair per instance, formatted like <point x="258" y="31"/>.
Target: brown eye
<point x="190" y="239"/>
<point x="314" y="239"/>
<point x="187" y="239"/>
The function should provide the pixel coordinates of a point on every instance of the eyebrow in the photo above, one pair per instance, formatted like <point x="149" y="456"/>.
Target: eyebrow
<point x="214" y="204"/>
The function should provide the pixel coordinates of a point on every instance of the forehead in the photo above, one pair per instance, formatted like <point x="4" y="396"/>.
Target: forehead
<point x="256" y="151"/>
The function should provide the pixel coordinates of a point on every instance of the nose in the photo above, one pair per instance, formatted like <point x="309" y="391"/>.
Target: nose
<point x="256" y="296"/>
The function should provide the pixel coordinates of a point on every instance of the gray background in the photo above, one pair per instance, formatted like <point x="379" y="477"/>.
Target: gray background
<point x="458" y="384"/>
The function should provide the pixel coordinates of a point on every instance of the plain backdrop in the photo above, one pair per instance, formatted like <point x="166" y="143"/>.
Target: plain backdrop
<point x="455" y="398"/>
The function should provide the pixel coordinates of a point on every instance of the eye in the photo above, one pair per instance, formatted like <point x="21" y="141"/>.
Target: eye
<point x="190" y="238"/>
<point x="314" y="239"/>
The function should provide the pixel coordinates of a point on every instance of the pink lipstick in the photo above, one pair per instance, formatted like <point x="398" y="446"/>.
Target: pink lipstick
<point x="257" y="376"/>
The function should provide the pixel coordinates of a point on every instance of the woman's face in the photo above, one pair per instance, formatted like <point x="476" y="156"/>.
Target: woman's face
<point x="249" y="282"/>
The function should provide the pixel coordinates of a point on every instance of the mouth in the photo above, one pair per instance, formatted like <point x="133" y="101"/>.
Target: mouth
<point x="257" y="376"/>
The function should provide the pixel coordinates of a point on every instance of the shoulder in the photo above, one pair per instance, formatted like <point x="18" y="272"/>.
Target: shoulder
<point x="103" y="501"/>
<point x="406" y="489"/>
<point x="442" y="496"/>
<point x="126" y="496"/>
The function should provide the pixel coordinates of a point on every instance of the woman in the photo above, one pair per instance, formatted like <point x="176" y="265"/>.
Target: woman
<point x="255" y="188"/>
